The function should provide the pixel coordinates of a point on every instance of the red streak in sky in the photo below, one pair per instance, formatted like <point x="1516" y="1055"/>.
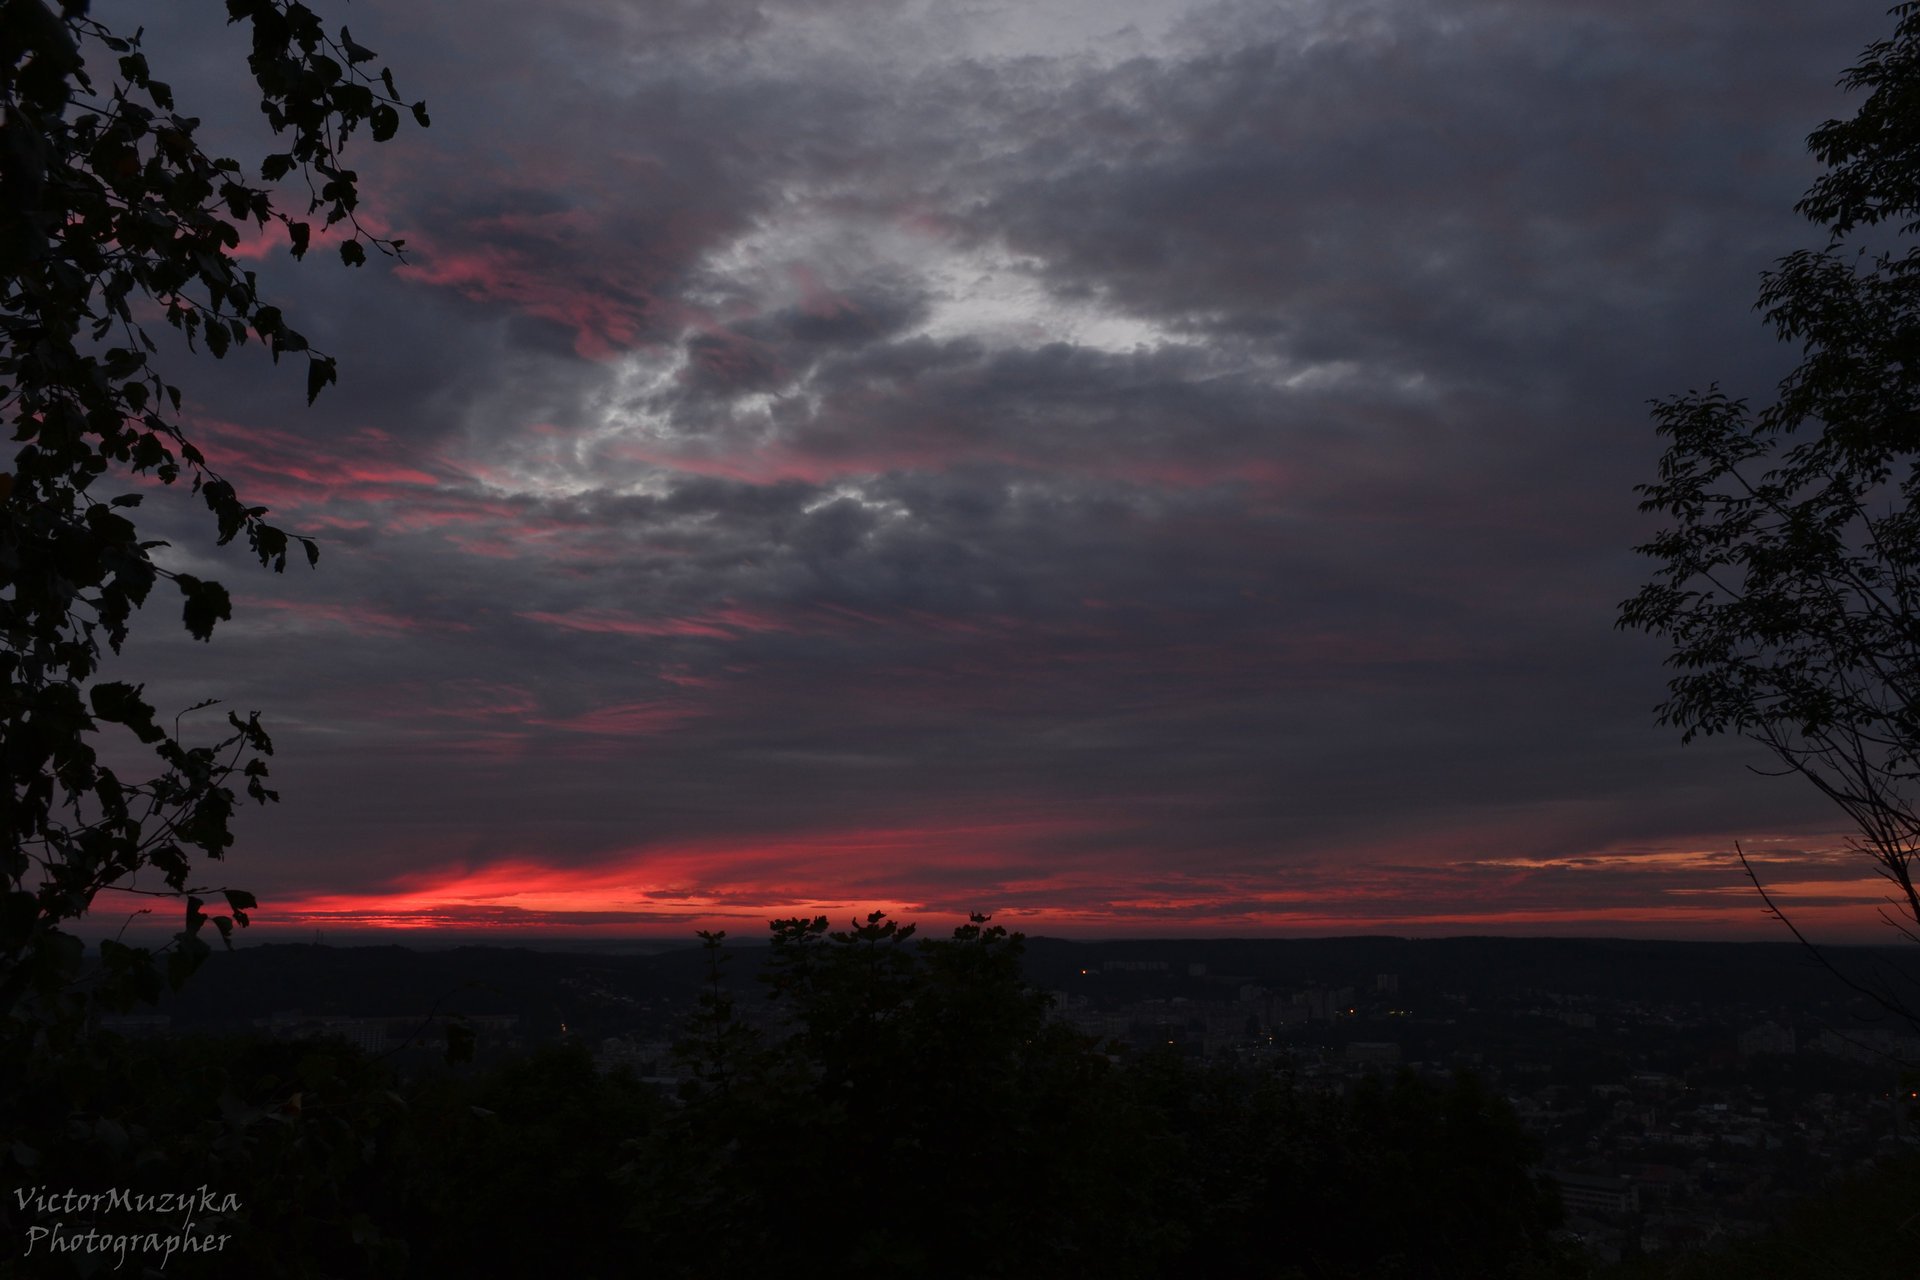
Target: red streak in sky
<point x="1068" y="876"/>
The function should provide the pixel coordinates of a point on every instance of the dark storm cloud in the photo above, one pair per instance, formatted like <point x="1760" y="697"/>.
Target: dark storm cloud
<point x="1461" y="191"/>
<point x="821" y="451"/>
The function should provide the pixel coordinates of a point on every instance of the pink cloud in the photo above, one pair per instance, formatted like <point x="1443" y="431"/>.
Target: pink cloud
<point x="583" y="268"/>
<point x="625" y="720"/>
<point x="258" y="242"/>
<point x="291" y="471"/>
<point x="778" y="462"/>
<point x="608" y="621"/>
<point x="366" y="620"/>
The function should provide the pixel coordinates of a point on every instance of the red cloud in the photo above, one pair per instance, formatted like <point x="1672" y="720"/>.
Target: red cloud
<point x="288" y="471"/>
<point x="603" y="325"/>
<point x="585" y="268"/>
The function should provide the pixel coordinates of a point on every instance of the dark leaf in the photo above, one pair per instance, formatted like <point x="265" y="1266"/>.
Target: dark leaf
<point x="320" y="372"/>
<point x="121" y="703"/>
<point x="206" y="604"/>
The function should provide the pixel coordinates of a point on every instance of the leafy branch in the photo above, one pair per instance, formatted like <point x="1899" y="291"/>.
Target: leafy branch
<point x="116" y="217"/>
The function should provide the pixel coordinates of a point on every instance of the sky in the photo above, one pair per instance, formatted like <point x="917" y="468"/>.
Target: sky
<point x="1131" y="468"/>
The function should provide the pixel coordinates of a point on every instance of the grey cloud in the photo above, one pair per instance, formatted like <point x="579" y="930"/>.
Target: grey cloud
<point x="1324" y="568"/>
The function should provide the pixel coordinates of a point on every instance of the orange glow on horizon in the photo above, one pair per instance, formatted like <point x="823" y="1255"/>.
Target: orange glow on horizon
<point x="1011" y="870"/>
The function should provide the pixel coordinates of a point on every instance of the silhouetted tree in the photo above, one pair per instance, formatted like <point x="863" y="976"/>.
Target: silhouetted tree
<point x="113" y="214"/>
<point x="340" y="1166"/>
<point x="915" y="1106"/>
<point x="1394" y="1176"/>
<point x="1790" y="584"/>
<point x="912" y="1106"/>
<point x="516" y="1172"/>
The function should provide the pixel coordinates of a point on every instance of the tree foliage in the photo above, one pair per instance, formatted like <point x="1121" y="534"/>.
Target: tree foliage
<point x="115" y="218"/>
<point x="913" y="1104"/>
<point x="341" y="1164"/>
<point x="891" y="1101"/>
<point x="1789" y="584"/>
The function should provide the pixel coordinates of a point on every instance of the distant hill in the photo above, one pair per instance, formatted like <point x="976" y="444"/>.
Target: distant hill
<point x="587" y="991"/>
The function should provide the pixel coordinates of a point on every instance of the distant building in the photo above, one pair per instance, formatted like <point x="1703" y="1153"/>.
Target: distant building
<point x="1874" y="1046"/>
<point x="1325" y="1006"/>
<point x="1661" y="1182"/>
<point x="1597" y="1193"/>
<point x="1656" y="1082"/>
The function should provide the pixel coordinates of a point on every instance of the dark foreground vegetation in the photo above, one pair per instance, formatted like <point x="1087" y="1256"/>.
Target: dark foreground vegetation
<point x="917" y="1110"/>
<point x="913" y="1107"/>
<point x="1862" y="1227"/>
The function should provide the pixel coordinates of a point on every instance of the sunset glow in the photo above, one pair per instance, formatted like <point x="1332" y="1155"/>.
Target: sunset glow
<point x="1154" y="470"/>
